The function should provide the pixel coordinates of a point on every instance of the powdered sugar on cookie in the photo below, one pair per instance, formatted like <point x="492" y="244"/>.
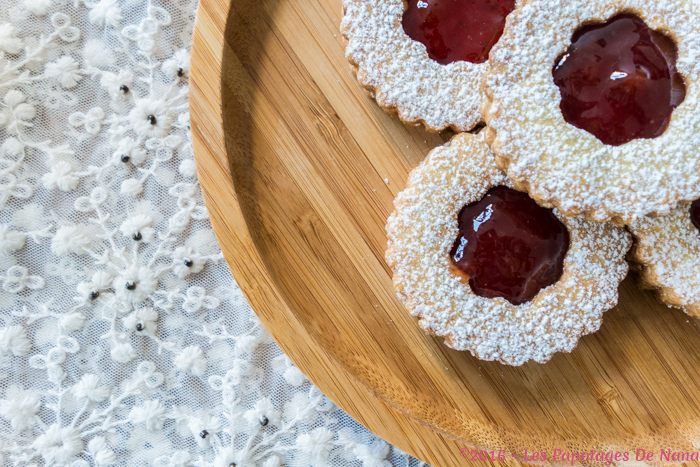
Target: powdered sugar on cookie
<point x="561" y="165"/>
<point x="421" y="232"/>
<point x="669" y="250"/>
<point x="400" y="75"/>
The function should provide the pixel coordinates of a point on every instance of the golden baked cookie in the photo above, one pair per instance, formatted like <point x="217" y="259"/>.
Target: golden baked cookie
<point x="424" y="59"/>
<point x="593" y="106"/>
<point x="429" y="247"/>
<point x="668" y="248"/>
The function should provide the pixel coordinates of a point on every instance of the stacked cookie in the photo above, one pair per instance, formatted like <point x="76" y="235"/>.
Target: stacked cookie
<point x="511" y="242"/>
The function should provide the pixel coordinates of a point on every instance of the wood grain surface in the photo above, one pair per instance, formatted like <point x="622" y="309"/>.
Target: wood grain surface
<point x="299" y="170"/>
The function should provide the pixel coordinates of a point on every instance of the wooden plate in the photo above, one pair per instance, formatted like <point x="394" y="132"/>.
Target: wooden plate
<point x="299" y="169"/>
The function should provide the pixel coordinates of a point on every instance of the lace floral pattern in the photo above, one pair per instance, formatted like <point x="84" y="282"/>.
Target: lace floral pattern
<point x="124" y="339"/>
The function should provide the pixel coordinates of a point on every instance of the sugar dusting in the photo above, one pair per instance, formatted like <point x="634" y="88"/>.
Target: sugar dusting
<point x="669" y="250"/>
<point x="567" y="167"/>
<point x="400" y="75"/>
<point x="421" y="231"/>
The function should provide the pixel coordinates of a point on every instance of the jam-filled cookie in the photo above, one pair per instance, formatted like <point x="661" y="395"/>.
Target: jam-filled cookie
<point x="424" y="59"/>
<point x="668" y="248"/>
<point x="484" y="266"/>
<point x="593" y="106"/>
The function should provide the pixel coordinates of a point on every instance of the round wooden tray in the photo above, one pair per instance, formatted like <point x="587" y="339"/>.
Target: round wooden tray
<point x="299" y="169"/>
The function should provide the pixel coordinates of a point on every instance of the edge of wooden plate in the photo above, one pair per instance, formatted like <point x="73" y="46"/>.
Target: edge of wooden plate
<point x="248" y="269"/>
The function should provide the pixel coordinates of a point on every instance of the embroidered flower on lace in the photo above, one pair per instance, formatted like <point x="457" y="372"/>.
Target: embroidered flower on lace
<point x="70" y="239"/>
<point x="123" y="352"/>
<point x="119" y="84"/>
<point x="373" y="455"/>
<point x="131" y="187"/>
<point x="10" y="240"/>
<point x="151" y="413"/>
<point x="97" y="54"/>
<point x="135" y="284"/>
<point x="59" y="444"/>
<point x="9" y="42"/>
<point x="302" y="408"/>
<point x="17" y="113"/>
<point x="37" y="7"/>
<point x="20" y="407"/>
<point x="143" y="319"/>
<point x="186" y="261"/>
<point x="150" y="118"/>
<point x="226" y="459"/>
<point x="191" y="360"/>
<point x="203" y="428"/>
<point x="101" y="452"/>
<point x="65" y="70"/>
<point x="262" y="413"/>
<point x="73" y="321"/>
<point x="88" y="291"/>
<point x="61" y="176"/>
<point x="139" y="228"/>
<point x="178" y="65"/>
<point x="12" y="147"/>
<point x="316" y="445"/>
<point x="247" y="344"/>
<point x="129" y="151"/>
<point x="89" y="388"/>
<point x="105" y="13"/>
<point x="13" y="339"/>
<point x="188" y="168"/>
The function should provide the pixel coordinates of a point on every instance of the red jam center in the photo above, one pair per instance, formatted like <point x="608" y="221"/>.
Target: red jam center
<point x="618" y="80"/>
<point x="695" y="213"/>
<point x="454" y="30"/>
<point x="509" y="246"/>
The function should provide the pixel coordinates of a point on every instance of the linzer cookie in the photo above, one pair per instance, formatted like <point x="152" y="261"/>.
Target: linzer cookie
<point x="592" y="106"/>
<point x="668" y="248"/>
<point x="424" y="59"/>
<point x="485" y="267"/>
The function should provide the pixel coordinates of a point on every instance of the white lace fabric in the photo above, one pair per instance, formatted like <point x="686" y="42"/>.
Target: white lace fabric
<point x="124" y="339"/>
